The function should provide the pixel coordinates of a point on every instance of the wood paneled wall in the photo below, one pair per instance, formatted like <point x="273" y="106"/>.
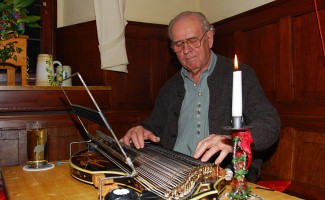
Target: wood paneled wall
<point x="151" y="62"/>
<point x="281" y="41"/>
<point x="63" y="128"/>
<point x="62" y="131"/>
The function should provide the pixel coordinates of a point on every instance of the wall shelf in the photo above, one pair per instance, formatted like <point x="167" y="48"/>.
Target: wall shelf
<point x="52" y="88"/>
<point x="49" y="98"/>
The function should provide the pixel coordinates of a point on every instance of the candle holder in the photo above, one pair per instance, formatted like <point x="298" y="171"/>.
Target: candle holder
<point x="237" y="125"/>
<point x="242" y="157"/>
<point x="237" y="122"/>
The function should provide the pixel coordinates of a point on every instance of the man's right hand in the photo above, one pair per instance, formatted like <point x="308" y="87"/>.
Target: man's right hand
<point x="137" y="135"/>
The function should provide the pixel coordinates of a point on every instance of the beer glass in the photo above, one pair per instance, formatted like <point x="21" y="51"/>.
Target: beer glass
<point x="45" y="75"/>
<point x="37" y="145"/>
<point x="65" y="74"/>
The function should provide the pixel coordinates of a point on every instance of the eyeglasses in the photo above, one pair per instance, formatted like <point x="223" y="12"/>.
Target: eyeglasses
<point x="193" y="42"/>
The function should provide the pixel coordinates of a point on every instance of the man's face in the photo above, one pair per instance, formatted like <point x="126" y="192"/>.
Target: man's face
<point x="193" y="59"/>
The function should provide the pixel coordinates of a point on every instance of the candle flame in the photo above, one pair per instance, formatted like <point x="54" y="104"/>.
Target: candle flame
<point x="236" y="63"/>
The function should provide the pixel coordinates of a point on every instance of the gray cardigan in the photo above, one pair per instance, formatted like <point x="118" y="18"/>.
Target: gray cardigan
<point x="257" y="110"/>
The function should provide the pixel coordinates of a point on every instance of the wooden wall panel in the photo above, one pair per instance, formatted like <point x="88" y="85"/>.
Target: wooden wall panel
<point x="309" y="158"/>
<point x="261" y="51"/>
<point x="61" y="132"/>
<point x="59" y="140"/>
<point x="308" y="54"/>
<point x="151" y="62"/>
<point x="150" y="65"/>
<point x="300" y="158"/>
<point x="224" y="45"/>
<point x="10" y="154"/>
<point x="137" y="78"/>
<point x="284" y="72"/>
<point x="281" y="41"/>
<point x="77" y="46"/>
<point x="279" y="166"/>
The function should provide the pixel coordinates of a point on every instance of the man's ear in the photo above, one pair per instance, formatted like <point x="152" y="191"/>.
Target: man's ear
<point x="210" y="38"/>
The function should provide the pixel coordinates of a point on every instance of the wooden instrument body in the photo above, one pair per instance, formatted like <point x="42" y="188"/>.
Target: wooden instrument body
<point x="86" y="165"/>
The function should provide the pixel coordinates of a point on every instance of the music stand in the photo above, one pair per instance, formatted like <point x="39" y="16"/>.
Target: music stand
<point x="96" y="116"/>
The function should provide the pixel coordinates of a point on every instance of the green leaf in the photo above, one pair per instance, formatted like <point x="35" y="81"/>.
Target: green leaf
<point x="2" y="7"/>
<point x="33" y="25"/>
<point x="30" y="19"/>
<point x="18" y="49"/>
<point x="9" y="2"/>
<point x="22" y="3"/>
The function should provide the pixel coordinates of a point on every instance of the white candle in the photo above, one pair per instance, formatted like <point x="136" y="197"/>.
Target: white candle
<point x="237" y="92"/>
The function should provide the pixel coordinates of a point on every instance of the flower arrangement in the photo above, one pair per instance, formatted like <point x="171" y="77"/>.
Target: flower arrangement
<point x="14" y="18"/>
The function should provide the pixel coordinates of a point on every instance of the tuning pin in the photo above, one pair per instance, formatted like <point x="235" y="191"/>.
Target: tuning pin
<point x="229" y="174"/>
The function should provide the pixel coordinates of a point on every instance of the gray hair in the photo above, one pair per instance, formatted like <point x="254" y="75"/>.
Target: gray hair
<point x="206" y="26"/>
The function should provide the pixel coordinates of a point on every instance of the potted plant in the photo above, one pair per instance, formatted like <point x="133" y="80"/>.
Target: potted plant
<point x="14" y="18"/>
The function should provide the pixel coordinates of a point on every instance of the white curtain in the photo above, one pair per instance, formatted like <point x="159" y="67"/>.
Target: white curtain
<point x="111" y="28"/>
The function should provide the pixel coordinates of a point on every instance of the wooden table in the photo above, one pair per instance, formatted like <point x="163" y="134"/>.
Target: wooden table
<point x="57" y="183"/>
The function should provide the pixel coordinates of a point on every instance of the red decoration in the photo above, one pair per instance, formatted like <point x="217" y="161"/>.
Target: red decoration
<point x="246" y="140"/>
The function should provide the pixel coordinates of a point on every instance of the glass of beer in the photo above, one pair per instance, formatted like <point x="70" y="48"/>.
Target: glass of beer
<point x="37" y="150"/>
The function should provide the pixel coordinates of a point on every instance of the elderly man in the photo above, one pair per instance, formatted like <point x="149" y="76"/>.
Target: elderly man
<point x="194" y="107"/>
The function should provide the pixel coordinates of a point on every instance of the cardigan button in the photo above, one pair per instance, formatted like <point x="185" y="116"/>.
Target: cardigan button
<point x="173" y="135"/>
<point x="176" y="114"/>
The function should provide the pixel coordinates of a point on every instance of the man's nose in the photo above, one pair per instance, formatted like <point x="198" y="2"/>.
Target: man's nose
<point x="187" y="48"/>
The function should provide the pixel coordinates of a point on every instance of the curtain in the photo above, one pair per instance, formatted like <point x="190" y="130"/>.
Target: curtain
<point x="111" y="34"/>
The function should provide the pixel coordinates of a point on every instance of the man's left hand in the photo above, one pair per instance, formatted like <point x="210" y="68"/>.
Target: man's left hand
<point x="213" y="144"/>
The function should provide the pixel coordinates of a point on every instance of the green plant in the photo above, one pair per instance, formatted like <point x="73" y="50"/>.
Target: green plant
<point x="14" y="18"/>
<point x="7" y="52"/>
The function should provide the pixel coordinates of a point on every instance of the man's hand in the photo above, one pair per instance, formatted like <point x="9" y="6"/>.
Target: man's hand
<point x="137" y="135"/>
<point x="211" y="145"/>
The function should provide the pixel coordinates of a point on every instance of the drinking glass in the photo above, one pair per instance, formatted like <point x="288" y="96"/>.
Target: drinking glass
<point x="37" y="145"/>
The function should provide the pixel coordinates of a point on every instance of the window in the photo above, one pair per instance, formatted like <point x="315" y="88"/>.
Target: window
<point x="34" y="40"/>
